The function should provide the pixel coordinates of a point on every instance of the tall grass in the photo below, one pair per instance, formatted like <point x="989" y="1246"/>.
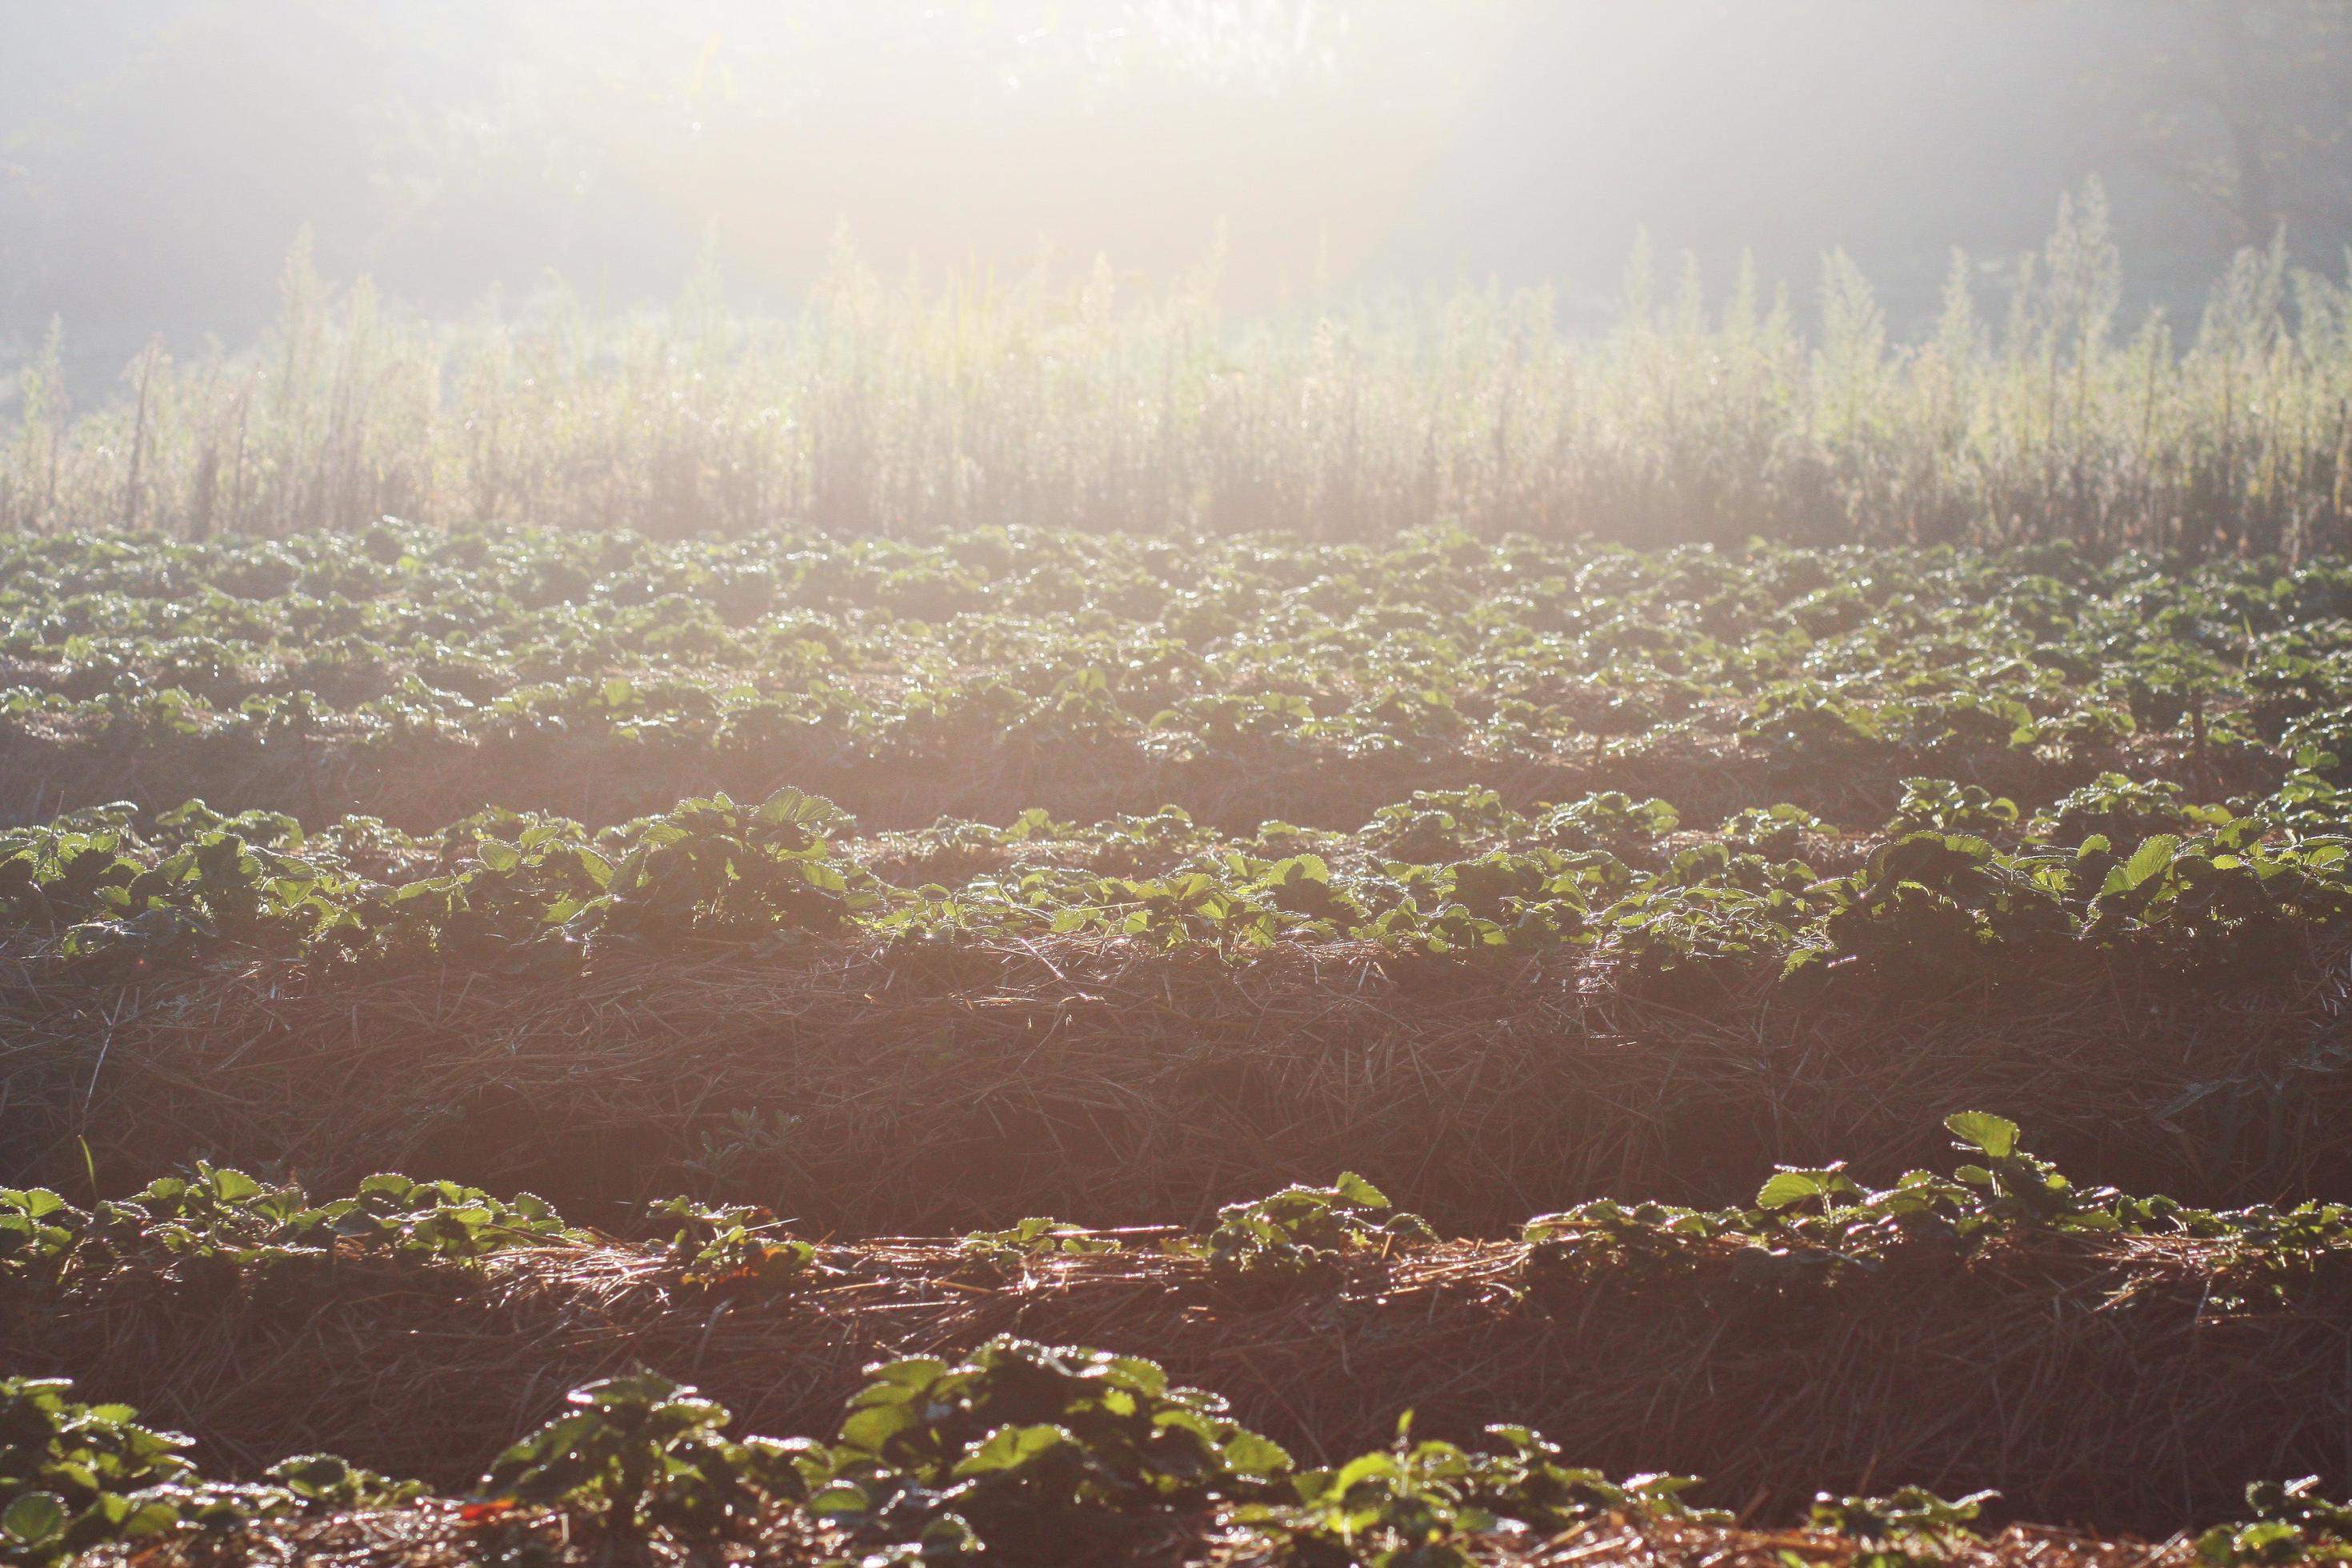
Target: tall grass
<point x="905" y="408"/>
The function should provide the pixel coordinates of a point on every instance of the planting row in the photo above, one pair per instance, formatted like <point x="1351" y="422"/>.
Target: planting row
<point x="812" y="656"/>
<point x="1956" y="878"/>
<point x="1041" y="1454"/>
<point x="1017" y="1452"/>
<point x="215" y="1227"/>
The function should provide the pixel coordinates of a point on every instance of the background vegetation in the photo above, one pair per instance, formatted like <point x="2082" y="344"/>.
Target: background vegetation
<point x="918" y="405"/>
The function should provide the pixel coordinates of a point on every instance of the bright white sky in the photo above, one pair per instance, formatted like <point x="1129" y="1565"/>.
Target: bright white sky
<point x="171" y="149"/>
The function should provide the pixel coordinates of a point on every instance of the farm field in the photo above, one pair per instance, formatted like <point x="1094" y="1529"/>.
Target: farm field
<point x="830" y="972"/>
<point x="1176" y="784"/>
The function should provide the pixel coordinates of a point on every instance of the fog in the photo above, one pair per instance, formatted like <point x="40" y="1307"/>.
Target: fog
<point x="160" y="156"/>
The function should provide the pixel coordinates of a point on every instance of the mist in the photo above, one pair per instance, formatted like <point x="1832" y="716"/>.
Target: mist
<point x="162" y="155"/>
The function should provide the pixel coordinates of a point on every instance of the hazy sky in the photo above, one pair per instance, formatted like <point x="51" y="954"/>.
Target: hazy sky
<point x="163" y="153"/>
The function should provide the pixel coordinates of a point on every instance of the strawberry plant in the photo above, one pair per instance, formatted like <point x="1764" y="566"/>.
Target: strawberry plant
<point x="1304" y="1231"/>
<point x="1807" y="1223"/>
<point x="1910" y="1526"/>
<point x="1422" y="1504"/>
<point x="1006" y="1251"/>
<point x="711" y="1246"/>
<point x="1406" y="1507"/>
<point x="76" y="1476"/>
<point x="1032" y="1447"/>
<point x="327" y="1483"/>
<point x="1771" y="831"/>
<point x="1610" y="820"/>
<point x="37" y="1231"/>
<point x="2291" y="1522"/>
<point x="639" y="1452"/>
<point x="215" y="1225"/>
<point x="1940" y="806"/>
<point x="2122" y="810"/>
<point x="439" y="1220"/>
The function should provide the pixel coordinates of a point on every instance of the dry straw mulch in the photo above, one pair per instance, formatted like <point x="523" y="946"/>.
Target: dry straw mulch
<point x="432" y="1535"/>
<point x="1096" y="1081"/>
<point x="424" y="784"/>
<point x="2096" y="1384"/>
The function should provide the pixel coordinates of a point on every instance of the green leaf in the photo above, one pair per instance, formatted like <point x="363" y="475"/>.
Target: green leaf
<point x="839" y="1500"/>
<point x="34" y="1518"/>
<point x="235" y="1186"/>
<point x="1247" y="1454"/>
<point x="1144" y="1376"/>
<point x="791" y="806"/>
<point x="874" y="1426"/>
<point x="2152" y="858"/>
<point x="1788" y="1189"/>
<point x="1010" y="1448"/>
<point x="1362" y="1469"/>
<point x="1996" y="1135"/>
<point x="910" y="1372"/>
<point x="1360" y="1192"/>
<point x="148" y="1518"/>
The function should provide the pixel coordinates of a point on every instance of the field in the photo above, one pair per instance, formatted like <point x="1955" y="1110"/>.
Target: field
<point x="1501" y="980"/>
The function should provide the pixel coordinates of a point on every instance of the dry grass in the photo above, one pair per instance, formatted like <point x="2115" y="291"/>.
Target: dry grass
<point x="1098" y="1080"/>
<point x="433" y="1536"/>
<point x="1088" y="405"/>
<point x="2091" y="1384"/>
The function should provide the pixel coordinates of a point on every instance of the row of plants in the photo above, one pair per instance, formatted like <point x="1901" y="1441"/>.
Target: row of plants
<point x="218" y="1229"/>
<point x="1021" y="1451"/>
<point x="1955" y="877"/>
<point x="1805" y="1227"/>
<point x="1017" y="1452"/>
<point x="74" y="1476"/>
<point x="1031" y="1453"/>
<point x="1251" y="651"/>
<point x="214" y="1226"/>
